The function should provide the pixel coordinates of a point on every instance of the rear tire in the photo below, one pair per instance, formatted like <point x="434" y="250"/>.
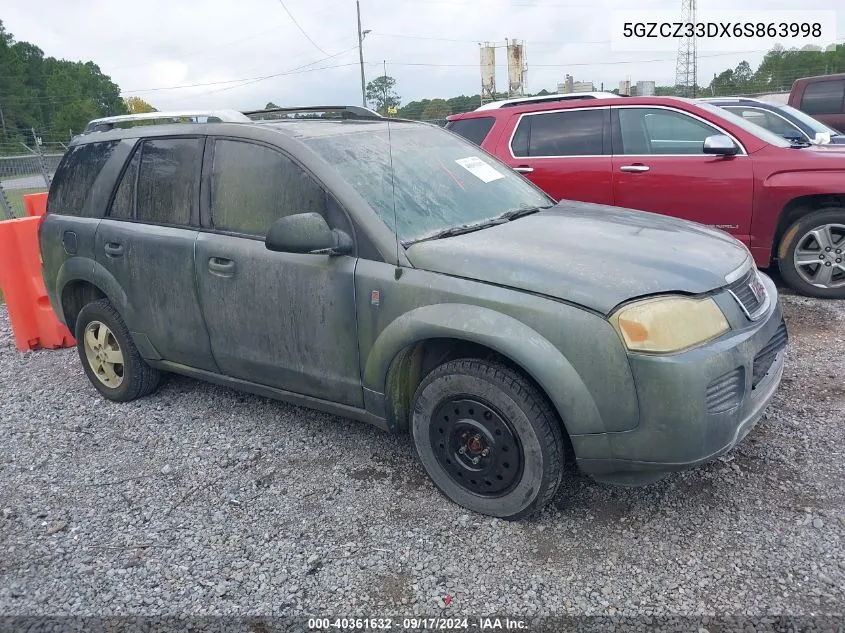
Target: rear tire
<point x="807" y="256"/>
<point x="488" y="438"/>
<point x="110" y="359"/>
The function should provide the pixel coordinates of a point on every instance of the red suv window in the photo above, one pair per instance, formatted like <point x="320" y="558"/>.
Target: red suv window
<point x="475" y="130"/>
<point x="568" y="133"/>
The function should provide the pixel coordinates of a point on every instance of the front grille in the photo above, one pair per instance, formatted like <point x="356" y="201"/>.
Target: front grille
<point x="725" y="393"/>
<point x="766" y="356"/>
<point x="743" y="292"/>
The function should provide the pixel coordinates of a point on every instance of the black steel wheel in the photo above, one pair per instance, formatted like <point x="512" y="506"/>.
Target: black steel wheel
<point x="476" y="445"/>
<point x="488" y="438"/>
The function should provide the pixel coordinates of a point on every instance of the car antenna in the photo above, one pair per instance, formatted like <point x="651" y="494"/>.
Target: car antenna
<point x="398" y="272"/>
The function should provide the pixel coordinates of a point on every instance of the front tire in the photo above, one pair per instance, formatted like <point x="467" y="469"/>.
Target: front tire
<point x="811" y="257"/>
<point x="110" y="359"/>
<point x="488" y="438"/>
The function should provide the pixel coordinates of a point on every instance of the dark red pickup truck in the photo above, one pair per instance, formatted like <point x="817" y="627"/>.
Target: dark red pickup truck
<point x="784" y="200"/>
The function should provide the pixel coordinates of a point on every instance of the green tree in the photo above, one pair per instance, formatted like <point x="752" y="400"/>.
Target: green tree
<point x="54" y="96"/>
<point x="436" y="109"/>
<point x="136" y="105"/>
<point x="381" y="93"/>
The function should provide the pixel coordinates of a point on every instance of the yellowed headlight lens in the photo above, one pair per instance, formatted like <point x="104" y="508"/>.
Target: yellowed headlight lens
<point x="669" y="324"/>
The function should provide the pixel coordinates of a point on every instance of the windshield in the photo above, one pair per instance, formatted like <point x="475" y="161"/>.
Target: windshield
<point x="441" y="180"/>
<point x="752" y="128"/>
<point x="810" y="122"/>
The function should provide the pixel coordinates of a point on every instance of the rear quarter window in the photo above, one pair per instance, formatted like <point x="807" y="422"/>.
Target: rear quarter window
<point x="824" y="97"/>
<point x="75" y="176"/>
<point x="474" y="130"/>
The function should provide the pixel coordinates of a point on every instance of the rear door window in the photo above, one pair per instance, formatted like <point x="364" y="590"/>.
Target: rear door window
<point x="168" y="180"/>
<point x="824" y="97"/>
<point x="474" y="130"/>
<point x="76" y="174"/>
<point x="570" y="133"/>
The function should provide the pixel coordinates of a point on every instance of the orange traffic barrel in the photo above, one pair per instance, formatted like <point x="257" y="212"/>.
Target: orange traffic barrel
<point x="34" y="324"/>
<point x="35" y="204"/>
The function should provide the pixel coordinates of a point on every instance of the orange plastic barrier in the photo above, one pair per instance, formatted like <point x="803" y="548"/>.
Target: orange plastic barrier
<point x="35" y="203"/>
<point x="33" y="322"/>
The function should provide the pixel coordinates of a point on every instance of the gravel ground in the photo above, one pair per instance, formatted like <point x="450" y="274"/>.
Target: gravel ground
<point x="201" y="500"/>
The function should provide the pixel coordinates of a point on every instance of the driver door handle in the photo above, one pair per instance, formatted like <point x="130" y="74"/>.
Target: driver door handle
<point x="221" y="266"/>
<point x="524" y="169"/>
<point x="636" y="169"/>
<point x="113" y="249"/>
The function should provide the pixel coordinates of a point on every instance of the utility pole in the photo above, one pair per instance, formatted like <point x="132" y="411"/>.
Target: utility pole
<point x="361" y="55"/>
<point x="686" y="67"/>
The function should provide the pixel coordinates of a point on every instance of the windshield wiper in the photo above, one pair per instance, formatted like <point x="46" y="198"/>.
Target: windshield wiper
<point x="521" y="212"/>
<point x="507" y="216"/>
<point x="456" y="230"/>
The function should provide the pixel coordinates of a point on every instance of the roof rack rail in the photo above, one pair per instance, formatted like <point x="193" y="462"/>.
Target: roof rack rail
<point x="211" y="116"/>
<point x="345" y="111"/>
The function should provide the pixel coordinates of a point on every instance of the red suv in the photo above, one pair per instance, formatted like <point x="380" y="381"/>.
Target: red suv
<point x="784" y="199"/>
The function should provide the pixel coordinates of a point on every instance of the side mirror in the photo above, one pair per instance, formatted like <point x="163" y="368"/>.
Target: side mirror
<point x="306" y="233"/>
<point x="794" y="135"/>
<point x="720" y="145"/>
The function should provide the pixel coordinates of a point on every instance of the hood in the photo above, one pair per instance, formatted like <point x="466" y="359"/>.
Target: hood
<point x="836" y="145"/>
<point x="592" y="255"/>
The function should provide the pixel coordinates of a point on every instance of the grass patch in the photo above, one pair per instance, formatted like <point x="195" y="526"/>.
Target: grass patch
<point x="15" y="197"/>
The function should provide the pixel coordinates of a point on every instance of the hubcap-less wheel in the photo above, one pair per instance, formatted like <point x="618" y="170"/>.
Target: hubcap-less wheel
<point x="476" y="446"/>
<point x="820" y="256"/>
<point x="103" y="354"/>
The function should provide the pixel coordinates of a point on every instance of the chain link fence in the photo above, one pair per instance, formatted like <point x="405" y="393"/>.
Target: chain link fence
<point x="25" y="168"/>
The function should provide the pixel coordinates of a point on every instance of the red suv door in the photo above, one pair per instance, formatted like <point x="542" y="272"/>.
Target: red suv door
<point x="564" y="152"/>
<point x="659" y="165"/>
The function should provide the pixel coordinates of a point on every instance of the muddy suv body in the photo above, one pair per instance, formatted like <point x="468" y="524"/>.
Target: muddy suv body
<point x="392" y="272"/>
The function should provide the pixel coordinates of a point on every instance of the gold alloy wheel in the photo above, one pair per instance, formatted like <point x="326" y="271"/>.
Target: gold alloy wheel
<point x="104" y="354"/>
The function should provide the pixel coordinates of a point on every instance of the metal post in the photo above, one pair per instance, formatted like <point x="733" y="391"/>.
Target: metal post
<point x="41" y="162"/>
<point x="384" y="61"/>
<point x="361" y="55"/>
<point x="7" y="206"/>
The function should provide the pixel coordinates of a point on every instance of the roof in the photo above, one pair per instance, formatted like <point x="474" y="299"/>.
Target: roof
<point x="342" y="112"/>
<point x="315" y="128"/>
<point x="504" y="103"/>
<point x="574" y="103"/>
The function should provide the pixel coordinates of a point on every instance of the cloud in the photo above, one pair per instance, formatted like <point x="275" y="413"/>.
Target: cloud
<point x="431" y="47"/>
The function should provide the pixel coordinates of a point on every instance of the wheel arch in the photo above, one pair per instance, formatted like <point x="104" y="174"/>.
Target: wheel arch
<point x="415" y="343"/>
<point x="797" y="208"/>
<point x="81" y="281"/>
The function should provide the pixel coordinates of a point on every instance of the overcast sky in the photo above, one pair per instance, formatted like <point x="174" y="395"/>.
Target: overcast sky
<point x="150" y="48"/>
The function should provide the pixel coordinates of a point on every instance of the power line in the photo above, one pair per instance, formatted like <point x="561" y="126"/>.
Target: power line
<point x="247" y="80"/>
<point x="592" y="63"/>
<point x="295" y="71"/>
<point x="200" y="51"/>
<point x="301" y="30"/>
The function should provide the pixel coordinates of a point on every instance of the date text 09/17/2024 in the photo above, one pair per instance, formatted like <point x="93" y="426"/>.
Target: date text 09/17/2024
<point x="418" y="624"/>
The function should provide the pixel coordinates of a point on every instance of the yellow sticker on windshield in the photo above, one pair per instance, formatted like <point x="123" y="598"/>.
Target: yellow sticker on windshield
<point x="478" y="168"/>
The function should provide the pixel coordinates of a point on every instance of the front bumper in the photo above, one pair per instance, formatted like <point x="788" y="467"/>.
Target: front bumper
<point x="694" y="406"/>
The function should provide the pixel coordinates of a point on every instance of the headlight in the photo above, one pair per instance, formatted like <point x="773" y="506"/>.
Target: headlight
<point x="669" y="324"/>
